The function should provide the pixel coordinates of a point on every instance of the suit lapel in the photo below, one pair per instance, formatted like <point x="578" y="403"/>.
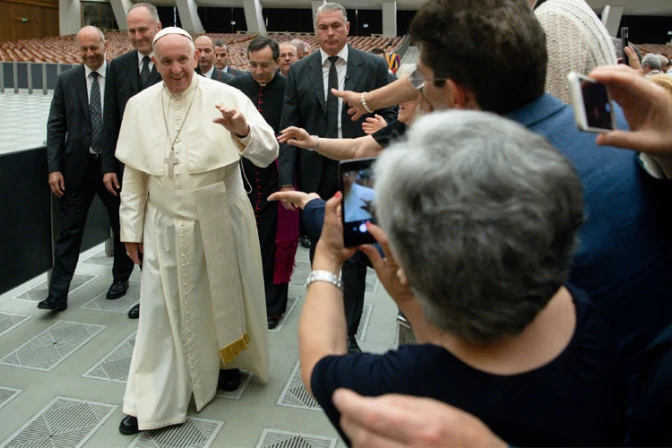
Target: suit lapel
<point x="154" y="77"/>
<point x="134" y="72"/>
<point x="82" y="91"/>
<point x="354" y="70"/>
<point x="317" y="79"/>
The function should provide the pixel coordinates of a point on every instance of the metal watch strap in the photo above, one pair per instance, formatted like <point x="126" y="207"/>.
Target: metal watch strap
<point x="324" y="276"/>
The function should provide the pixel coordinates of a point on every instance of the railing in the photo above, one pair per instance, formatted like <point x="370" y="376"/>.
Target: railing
<point x="33" y="76"/>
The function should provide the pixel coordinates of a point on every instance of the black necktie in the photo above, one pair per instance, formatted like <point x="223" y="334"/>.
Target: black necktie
<point x="96" y="114"/>
<point x="332" y="101"/>
<point x="144" y="73"/>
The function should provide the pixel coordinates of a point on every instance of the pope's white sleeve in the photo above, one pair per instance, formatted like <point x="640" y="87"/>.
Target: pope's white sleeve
<point x="261" y="147"/>
<point x="133" y="205"/>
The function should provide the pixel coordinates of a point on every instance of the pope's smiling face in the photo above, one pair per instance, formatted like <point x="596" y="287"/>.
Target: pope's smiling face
<point x="175" y="57"/>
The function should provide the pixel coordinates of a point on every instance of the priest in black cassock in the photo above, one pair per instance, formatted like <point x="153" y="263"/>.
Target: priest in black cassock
<point x="278" y="228"/>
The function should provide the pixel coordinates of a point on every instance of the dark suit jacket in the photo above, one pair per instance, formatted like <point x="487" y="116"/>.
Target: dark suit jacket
<point x="231" y="71"/>
<point x="305" y="107"/>
<point x="122" y="83"/>
<point x="69" y="126"/>
<point x="218" y="75"/>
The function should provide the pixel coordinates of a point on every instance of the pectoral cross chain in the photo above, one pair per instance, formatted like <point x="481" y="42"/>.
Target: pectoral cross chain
<point x="171" y="161"/>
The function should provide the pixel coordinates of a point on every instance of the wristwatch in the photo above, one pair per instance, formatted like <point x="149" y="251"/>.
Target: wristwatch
<point x="325" y="276"/>
<point x="317" y="145"/>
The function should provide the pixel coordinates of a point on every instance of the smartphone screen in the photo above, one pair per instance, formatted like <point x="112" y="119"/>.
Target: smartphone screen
<point x="625" y="41"/>
<point x="357" y="181"/>
<point x="597" y="106"/>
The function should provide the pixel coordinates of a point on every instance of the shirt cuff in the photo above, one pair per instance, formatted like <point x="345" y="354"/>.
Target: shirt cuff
<point x="652" y="166"/>
<point x="243" y="142"/>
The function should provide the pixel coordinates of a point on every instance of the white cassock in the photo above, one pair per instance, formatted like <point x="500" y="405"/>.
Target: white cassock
<point x="202" y="292"/>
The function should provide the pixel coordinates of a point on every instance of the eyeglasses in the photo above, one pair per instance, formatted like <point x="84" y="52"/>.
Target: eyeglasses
<point x="417" y="79"/>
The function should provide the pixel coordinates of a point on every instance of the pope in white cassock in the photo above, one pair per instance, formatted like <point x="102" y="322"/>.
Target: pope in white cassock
<point x="184" y="207"/>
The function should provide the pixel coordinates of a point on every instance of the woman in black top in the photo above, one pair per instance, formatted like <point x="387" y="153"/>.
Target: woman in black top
<point x="481" y="219"/>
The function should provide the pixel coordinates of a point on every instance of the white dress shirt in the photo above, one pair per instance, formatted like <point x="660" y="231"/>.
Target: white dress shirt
<point x="341" y="69"/>
<point x="209" y="74"/>
<point x="101" y="83"/>
<point x="151" y="64"/>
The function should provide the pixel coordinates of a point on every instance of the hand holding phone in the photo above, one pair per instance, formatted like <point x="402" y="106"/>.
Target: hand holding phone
<point x="356" y="183"/>
<point x="625" y="42"/>
<point x="593" y="108"/>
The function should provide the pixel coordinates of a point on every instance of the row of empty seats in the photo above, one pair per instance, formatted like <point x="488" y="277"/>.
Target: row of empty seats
<point x="63" y="49"/>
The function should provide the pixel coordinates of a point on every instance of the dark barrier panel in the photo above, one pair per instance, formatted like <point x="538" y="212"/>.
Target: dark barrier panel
<point x="22" y="73"/>
<point x="36" y="71"/>
<point x="51" y="76"/>
<point x="26" y="220"/>
<point x="8" y="71"/>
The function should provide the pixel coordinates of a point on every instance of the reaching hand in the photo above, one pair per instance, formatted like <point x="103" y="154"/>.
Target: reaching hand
<point x="330" y="245"/>
<point x="401" y="421"/>
<point x="297" y="199"/>
<point x="57" y="183"/>
<point x="233" y="121"/>
<point x="133" y="250"/>
<point x="352" y="99"/>
<point x="372" y="124"/>
<point x="111" y="183"/>
<point x="646" y="106"/>
<point x="297" y="137"/>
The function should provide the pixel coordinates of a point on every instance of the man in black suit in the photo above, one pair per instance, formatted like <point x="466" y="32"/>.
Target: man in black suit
<point x="74" y="147"/>
<point x="222" y="58"/>
<point x="129" y="74"/>
<point x="309" y="104"/>
<point x="206" y="61"/>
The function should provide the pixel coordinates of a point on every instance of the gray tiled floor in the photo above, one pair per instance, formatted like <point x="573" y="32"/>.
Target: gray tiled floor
<point x="87" y="350"/>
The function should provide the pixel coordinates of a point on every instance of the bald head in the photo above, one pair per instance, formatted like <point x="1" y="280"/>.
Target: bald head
<point x="91" y="47"/>
<point x="206" y="51"/>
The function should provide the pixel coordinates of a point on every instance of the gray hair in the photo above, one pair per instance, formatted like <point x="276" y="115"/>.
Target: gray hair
<point x="151" y="8"/>
<point x="482" y="215"/>
<point x="100" y="33"/>
<point x="329" y="6"/>
<point x="653" y="61"/>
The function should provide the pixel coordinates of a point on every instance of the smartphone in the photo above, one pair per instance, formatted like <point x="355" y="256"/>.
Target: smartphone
<point x="593" y="108"/>
<point x="356" y="183"/>
<point x="625" y="41"/>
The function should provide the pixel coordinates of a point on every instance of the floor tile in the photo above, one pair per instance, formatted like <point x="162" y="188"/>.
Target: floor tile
<point x="39" y="292"/>
<point x="194" y="433"/>
<point x="121" y="305"/>
<point x="295" y="395"/>
<point x="7" y="394"/>
<point x="116" y="364"/>
<point x="291" y="304"/>
<point x="274" y="438"/>
<point x="10" y="321"/>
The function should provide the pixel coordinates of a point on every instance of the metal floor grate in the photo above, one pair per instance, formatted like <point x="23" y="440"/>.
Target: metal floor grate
<point x="10" y="321"/>
<point x="194" y="433"/>
<point x="121" y="305"/>
<point x="291" y="304"/>
<point x="39" y="292"/>
<point x="64" y="422"/>
<point x="295" y="395"/>
<point x="372" y="282"/>
<point x="49" y="348"/>
<point x="100" y="259"/>
<point x="300" y="273"/>
<point x="115" y="365"/>
<point x="273" y="438"/>
<point x="245" y="379"/>
<point x="7" y="394"/>
<point x="367" y="309"/>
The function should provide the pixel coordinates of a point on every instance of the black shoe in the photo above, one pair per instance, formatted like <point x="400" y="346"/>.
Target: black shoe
<point x="272" y="321"/>
<point x="135" y="312"/>
<point x="304" y="241"/>
<point x="229" y="380"/>
<point x="129" y="426"/>
<point x="53" y="304"/>
<point x="353" y="347"/>
<point x="117" y="290"/>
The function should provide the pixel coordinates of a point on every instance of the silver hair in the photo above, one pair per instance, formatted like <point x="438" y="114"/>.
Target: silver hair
<point x="100" y="34"/>
<point x="653" y="61"/>
<point x="151" y="8"/>
<point x="329" y="6"/>
<point x="482" y="215"/>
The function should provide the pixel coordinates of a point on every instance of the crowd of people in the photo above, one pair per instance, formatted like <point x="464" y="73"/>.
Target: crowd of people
<point x="532" y="260"/>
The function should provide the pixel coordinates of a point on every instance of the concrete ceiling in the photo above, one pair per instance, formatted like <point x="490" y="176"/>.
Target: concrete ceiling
<point x="632" y="7"/>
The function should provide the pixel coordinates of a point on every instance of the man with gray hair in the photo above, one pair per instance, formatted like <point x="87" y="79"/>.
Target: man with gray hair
<point x="488" y="299"/>
<point x="302" y="48"/>
<point x="183" y="205"/>
<point x="652" y="65"/>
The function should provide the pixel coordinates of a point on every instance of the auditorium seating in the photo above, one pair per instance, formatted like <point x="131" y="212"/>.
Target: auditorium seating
<point x="63" y="49"/>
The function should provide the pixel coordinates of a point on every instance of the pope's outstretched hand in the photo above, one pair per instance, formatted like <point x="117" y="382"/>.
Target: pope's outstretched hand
<point x="233" y="120"/>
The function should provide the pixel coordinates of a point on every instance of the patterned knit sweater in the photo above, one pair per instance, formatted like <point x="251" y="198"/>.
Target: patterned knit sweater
<point x="576" y="41"/>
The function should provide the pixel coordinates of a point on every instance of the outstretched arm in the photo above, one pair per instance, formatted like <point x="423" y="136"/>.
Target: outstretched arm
<point x="332" y="148"/>
<point x="390" y="95"/>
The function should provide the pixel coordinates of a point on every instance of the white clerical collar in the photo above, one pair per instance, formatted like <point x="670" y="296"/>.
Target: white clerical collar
<point x="343" y="54"/>
<point x="209" y="74"/>
<point x="101" y="70"/>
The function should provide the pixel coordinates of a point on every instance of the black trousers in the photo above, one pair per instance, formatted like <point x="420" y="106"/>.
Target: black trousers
<point x="267" y="226"/>
<point x="74" y="208"/>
